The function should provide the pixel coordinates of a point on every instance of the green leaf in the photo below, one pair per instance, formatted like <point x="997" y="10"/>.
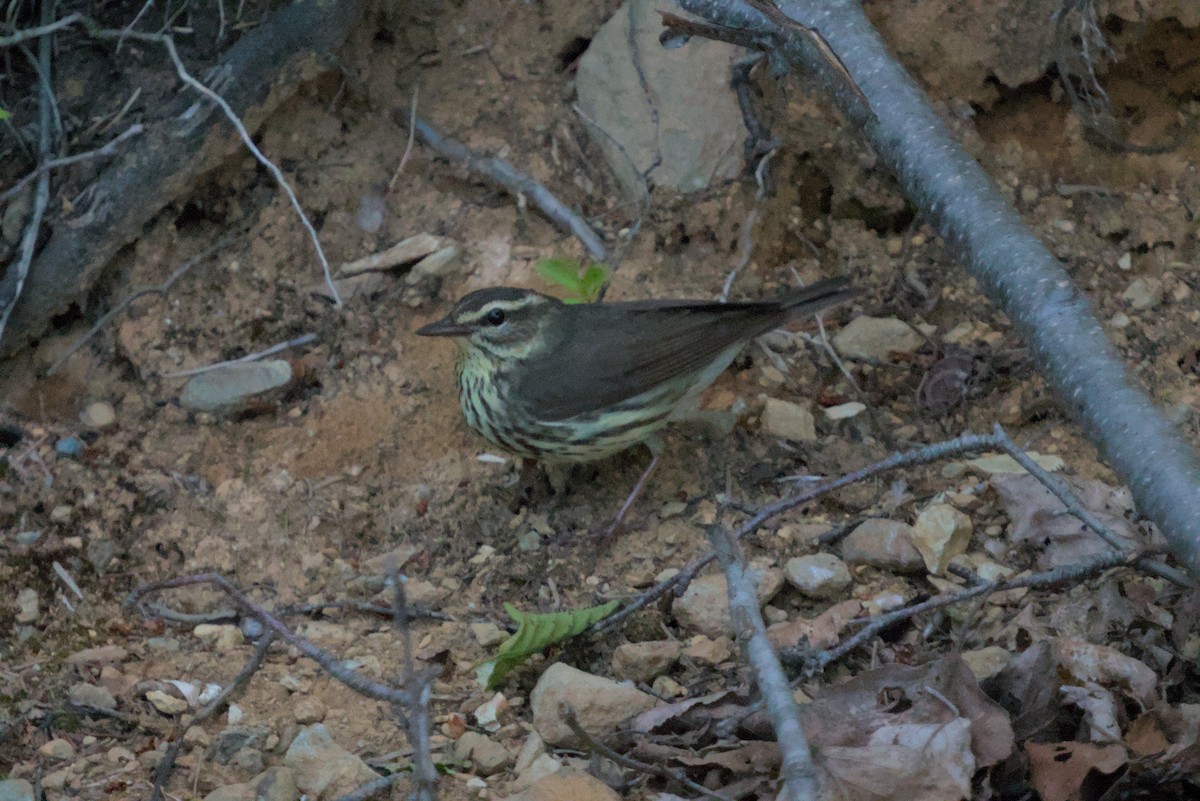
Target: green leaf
<point x="4" y="115"/>
<point x="593" y="280"/>
<point x="535" y="633"/>
<point x="563" y="272"/>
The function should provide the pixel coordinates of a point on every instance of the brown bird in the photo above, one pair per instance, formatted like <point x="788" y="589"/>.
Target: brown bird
<point x="565" y="383"/>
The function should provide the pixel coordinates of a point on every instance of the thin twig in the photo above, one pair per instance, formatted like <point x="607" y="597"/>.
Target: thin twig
<point x="41" y="30"/>
<point x="355" y="681"/>
<point x="271" y="351"/>
<point x="415" y="712"/>
<point x="515" y="182"/>
<point x="53" y="164"/>
<point x="160" y="290"/>
<point x="412" y="137"/>
<point x="598" y="748"/>
<point x="1060" y="575"/>
<point x="746" y="240"/>
<point x="800" y="778"/>
<point x="276" y="173"/>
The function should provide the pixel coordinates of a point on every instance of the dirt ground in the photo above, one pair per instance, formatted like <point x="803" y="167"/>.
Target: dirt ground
<point x="296" y="499"/>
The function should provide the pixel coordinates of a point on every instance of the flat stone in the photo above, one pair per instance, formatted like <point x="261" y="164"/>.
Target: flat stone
<point x="571" y="784"/>
<point x="91" y="695"/>
<point x="699" y="130"/>
<point x="876" y="338"/>
<point x="487" y="755"/>
<point x="227" y="387"/>
<point x="15" y="790"/>
<point x="98" y="414"/>
<point x="323" y="769"/>
<point x="600" y="704"/>
<point x="57" y="749"/>
<point x="818" y="575"/>
<point x="886" y="544"/>
<point x="643" y="661"/>
<point x="789" y="421"/>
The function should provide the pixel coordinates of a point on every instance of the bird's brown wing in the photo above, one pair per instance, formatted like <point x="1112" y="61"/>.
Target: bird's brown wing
<point x="611" y="352"/>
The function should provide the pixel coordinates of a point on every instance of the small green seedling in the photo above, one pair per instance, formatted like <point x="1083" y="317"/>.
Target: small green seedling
<point x="584" y="285"/>
<point x="3" y="114"/>
<point x="535" y="633"/>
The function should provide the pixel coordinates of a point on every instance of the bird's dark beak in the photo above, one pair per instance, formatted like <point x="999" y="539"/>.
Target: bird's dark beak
<point x="444" y="327"/>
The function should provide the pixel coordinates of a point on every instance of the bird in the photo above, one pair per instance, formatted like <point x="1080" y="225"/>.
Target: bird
<point x="565" y="383"/>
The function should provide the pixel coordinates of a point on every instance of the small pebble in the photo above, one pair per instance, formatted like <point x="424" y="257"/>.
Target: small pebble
<point x="70" y="446"/>
<point x="98" y="414"/>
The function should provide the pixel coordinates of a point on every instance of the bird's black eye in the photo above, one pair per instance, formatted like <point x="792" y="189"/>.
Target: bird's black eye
<point x="495" y="317"/>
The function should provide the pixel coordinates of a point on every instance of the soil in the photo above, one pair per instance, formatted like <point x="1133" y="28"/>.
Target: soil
<point x="367" y="452"/>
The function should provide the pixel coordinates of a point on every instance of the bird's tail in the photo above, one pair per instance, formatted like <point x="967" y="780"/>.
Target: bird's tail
<point x="821" y="295"/>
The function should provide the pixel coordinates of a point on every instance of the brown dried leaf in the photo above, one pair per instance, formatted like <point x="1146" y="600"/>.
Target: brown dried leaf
<point x="915" y="762"/>
<point x="1086" y="662"/>
<point x="1075" y="771"/>
<point x="1040" y="518"/>
<point x="1028" y="688"/>
<point x="895" y="695"/>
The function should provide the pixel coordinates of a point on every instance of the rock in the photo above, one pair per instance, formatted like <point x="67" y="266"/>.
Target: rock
<point x="708" y="651"/>
<point x="98" y="655"/>
<point x="15" y="790"/>
<point x="28" y="607"/>
<point x="226" y="387"/>
<point x="309" y="710"/>
<point x="86" y="694"/>
<point x="1144" y="293"/>
<point x="98" y="414"/>
<point x="642" y="661"/>
<point x="788" y="421"/>
<point x="876" y="338"/>
<point x="886" y="544"/>
<point x="276" y="784"/>
<point x="600" y="704"/>
<point x="232" y="792"/>
<point x="940" y="534"/>
<point x="57" y="749"/>
<point x="232" y="739"/>
<point x="166" y="703"/>
<point x="987" y="662"/>
<point x="845" y="410"/>
<point x="322" y="768"/>
<point x="533" y="748"/>
<point x="567" y="784"/>
<point x="699" y="129"/>
<point x="819" y="575"/>
<point x="487" y="755"/>
<point x="249" y="760"/>
<point x="542" y="766"/>
<point x="56" y="780"/>
<point x="704" y="606"/>
<point x="225" y="637"/>
<point x="488" y="634"/>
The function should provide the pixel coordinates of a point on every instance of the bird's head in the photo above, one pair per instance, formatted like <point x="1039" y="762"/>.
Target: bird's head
<point x="503" y="321"/>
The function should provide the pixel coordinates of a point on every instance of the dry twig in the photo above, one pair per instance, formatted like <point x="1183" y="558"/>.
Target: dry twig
<point x="509" y="178"/>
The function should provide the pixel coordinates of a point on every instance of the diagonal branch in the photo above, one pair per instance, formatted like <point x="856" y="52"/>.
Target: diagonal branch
<point x="1016" y="270"/>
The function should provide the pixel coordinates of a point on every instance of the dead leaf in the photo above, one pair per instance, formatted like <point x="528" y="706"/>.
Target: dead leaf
<point x="915" y="762"/>
<point x="935" y="693"/>
<point x="1039" y="518"/>
<point x="1086" y="662"/>
<point x="1074" y="771"/>
<point x="1028" y="689"/>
